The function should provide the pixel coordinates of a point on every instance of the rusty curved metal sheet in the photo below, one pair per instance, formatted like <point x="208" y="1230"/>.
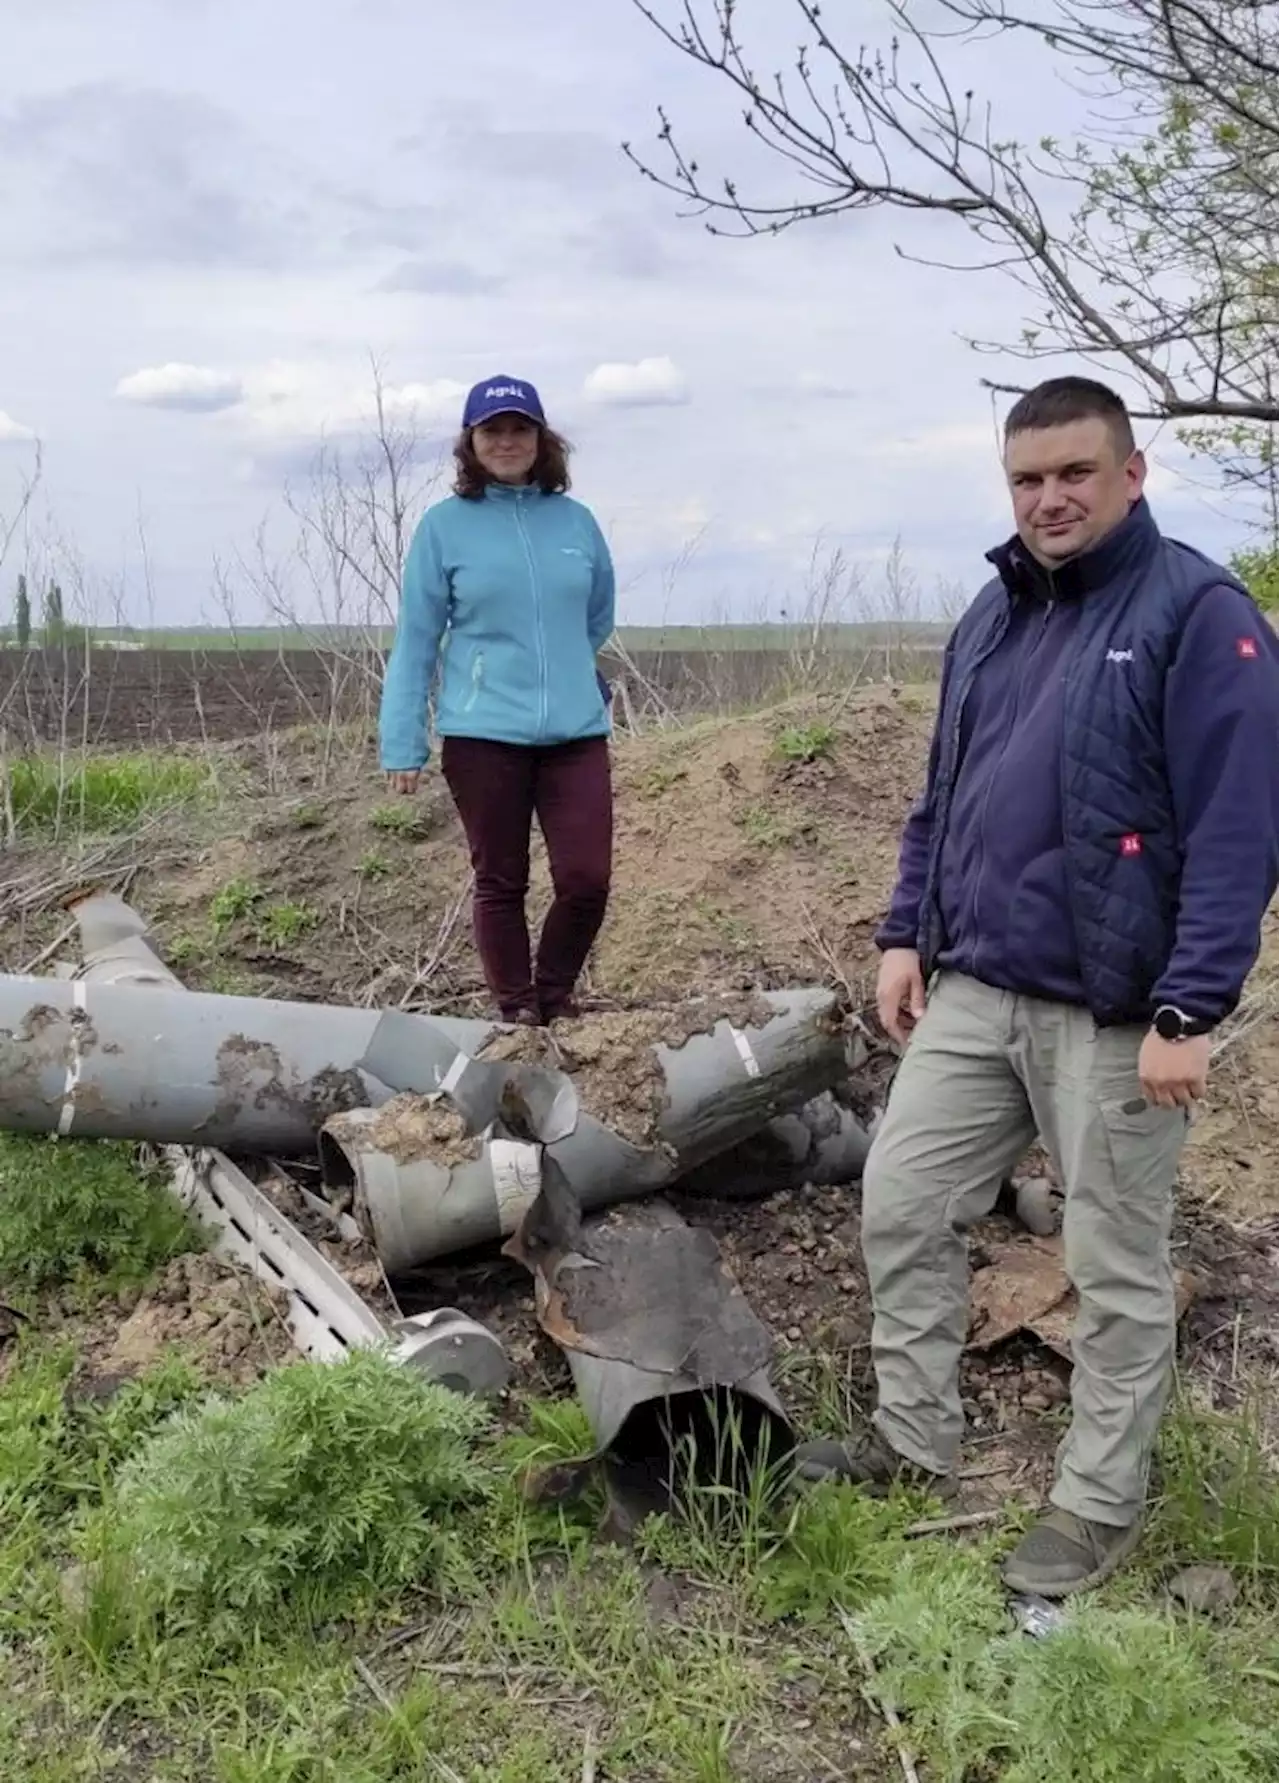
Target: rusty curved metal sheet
<point x="669" y="1360"/>
<point x="641" y="1287"/>
<point x="1024" y="1286"/>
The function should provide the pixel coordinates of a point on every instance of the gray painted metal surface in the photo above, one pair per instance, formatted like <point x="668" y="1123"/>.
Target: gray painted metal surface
<point x="721" y="1087"/>
<point x="119" y="1056"/>
<point x="326" y="1317"/>
<point x="822" y="1143"/>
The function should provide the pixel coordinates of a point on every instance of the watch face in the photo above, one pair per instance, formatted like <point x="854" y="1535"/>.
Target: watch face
<point x="1168" y="1024"/>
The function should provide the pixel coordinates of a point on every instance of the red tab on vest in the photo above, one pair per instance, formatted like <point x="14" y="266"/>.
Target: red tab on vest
<point x="1130" y="845"/>
<point x="1247" y="647"/>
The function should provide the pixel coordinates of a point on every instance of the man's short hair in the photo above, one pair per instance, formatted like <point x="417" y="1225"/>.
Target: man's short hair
<point x="1059" y="401"/>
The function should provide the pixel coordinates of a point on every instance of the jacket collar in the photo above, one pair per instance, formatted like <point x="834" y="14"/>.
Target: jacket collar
<point x="1126" y="548"/>
<point x="512" y="492"/>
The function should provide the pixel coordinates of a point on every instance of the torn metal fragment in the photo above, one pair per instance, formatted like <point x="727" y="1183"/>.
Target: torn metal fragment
<point x="668" y="1358"/>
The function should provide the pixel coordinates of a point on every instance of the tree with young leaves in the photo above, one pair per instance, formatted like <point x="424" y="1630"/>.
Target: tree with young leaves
<point x="1148" y="249"/>
<point x="1259" y="569"/>
<point x="55" y="624"/>
<point x="22" y="615"/>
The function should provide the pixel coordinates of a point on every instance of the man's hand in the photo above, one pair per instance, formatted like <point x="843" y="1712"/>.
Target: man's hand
<point x="1173" y="1073"/>
<point x="900" y="992"/>
<point x="404" y="779"/>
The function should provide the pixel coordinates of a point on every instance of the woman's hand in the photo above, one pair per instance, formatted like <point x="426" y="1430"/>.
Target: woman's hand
<point x="404" y="779"/>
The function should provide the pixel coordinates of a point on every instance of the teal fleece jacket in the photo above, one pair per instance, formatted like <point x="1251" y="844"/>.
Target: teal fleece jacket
<point x="511" y="595"/>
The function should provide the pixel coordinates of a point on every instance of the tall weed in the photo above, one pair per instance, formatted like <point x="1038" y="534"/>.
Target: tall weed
<point x="70" y="1206"/>
<point x="100" y="794"/>
<point x="325" y="1484"/>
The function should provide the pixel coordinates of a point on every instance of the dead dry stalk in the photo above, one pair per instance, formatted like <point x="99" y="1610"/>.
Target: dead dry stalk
<point x="880" y="1705"/>
<point x="821" y="946"/>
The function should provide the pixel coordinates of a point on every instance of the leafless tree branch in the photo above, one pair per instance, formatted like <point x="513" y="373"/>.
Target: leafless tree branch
<point x="1167" y="264"/>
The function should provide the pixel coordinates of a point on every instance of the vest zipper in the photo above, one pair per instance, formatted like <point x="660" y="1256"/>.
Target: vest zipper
<point x="1020" y="683"/>
<point x="929" y="912"/>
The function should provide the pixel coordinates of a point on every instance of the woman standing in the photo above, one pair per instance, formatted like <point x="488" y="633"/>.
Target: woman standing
<point x="510" y="584"/>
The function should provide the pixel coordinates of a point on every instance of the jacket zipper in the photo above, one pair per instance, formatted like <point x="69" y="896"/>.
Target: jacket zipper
<point x="942" y="813"/>
<point x="523" y="530"/>
<point x="1033" y="646"/>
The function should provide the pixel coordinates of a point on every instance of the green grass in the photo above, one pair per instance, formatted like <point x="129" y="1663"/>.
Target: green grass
<point x="404" y="820"/>
<point x="343" y="1574"/>
<point x="283" y="924"/>
<point x="99" y="794"/>
<point x="232" y="902"/>
<point x="82" y="1212"/>
<point x="318" y="1490"/>
<point x="805" y="742"/>
<point x="661" y="777"/>
<point x="765" y="828"/>
<point x="372" y="865"/>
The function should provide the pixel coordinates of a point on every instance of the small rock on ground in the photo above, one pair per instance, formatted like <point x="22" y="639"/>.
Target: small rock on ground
<point x="1204" y="1588"/>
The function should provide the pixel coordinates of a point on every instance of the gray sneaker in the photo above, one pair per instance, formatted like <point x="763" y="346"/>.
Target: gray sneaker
<point x="1063" y="1553"/>
<point x="867" y="1460"/>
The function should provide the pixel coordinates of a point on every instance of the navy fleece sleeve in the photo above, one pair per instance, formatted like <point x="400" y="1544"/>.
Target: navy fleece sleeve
<point x="901" y="927"/>
<point x="1221" y="740"/>
<point x="406" y="686"/>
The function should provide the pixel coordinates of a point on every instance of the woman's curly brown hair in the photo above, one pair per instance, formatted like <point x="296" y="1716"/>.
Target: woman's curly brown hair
<point x="550" y="468"/>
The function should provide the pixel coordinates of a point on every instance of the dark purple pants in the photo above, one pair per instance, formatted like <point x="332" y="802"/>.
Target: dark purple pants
<point x="498" y="789"/>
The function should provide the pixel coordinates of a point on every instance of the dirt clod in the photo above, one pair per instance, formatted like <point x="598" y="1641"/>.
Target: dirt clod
<point x="1204" y="1588"/>
<point x="610" y="1056"/>
<point x="410" y="1128"/>
<point x="222" y="1317"/>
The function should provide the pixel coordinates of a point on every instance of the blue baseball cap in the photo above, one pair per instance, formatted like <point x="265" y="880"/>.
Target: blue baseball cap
<point x="502" y="396"/>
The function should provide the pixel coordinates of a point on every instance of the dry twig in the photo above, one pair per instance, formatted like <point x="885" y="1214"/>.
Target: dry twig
<point x="881" y="1705"/>
<point x="46" y="953"/>
<point x="945" y="1525"/>
<point x="374" y="1688"/>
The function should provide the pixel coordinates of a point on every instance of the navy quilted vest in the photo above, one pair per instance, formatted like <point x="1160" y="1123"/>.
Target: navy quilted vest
<point x="1123" y="855"/>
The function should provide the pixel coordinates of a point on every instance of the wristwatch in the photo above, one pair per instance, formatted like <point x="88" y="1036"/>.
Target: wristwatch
<point x="1170" y="1023"/>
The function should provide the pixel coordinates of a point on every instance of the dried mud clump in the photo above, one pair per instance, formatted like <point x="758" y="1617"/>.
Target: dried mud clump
<point x="410" y="1128"/>
<point x="610" y="1056"/>
<point x="231" y="1325"/>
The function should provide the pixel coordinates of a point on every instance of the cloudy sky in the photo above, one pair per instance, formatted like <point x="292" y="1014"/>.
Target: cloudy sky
<point x="217" y="211"/>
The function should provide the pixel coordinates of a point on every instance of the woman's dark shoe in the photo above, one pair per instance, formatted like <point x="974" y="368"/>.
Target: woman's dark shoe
<point x="567" y="1009"/>
<point x="525" y="1017"/>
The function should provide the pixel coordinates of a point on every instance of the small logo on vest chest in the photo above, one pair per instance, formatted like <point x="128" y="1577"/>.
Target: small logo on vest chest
<point x="1130" y="846"/>
<point x="1247" y="648"/>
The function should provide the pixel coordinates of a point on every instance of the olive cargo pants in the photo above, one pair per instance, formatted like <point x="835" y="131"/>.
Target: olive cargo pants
<point x="984" y="1073"/>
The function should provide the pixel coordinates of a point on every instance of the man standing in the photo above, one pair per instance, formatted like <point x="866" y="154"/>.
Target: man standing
<point x="1079" y="900"/>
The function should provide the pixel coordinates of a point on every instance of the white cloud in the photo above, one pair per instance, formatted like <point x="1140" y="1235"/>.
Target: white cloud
<point x="13" y="433"/>
<point x="195" y="388"/>
<point x="294" y="401"/>
<point x="673" y="528"/>
<point x="638" y="385"/>
<point x="1166" y="476"/>
<point x="440" y="400"/>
